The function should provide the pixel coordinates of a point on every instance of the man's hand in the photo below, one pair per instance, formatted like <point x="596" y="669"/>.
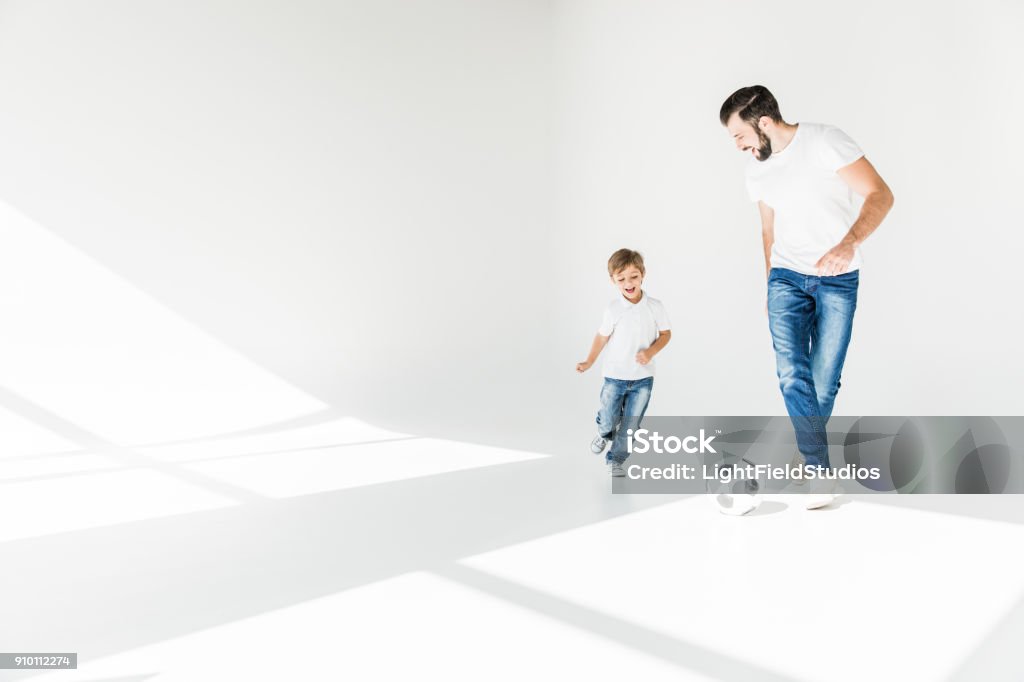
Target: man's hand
<point x="863" y="179"/>
<point x="582" y="367"/>
<point x="644" y="356"/>
<point x="837" y="260"/>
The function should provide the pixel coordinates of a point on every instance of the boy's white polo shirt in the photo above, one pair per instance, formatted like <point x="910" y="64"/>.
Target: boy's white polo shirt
<point x="632" y="327"/>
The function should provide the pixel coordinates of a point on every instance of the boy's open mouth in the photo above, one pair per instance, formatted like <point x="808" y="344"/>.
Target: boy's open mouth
<point x="629" y="291"/>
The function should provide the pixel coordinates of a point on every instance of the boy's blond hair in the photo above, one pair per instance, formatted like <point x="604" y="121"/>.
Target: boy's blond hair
<point x="623" y="258"/>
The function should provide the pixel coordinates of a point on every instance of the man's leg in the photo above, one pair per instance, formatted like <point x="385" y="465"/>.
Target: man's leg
<point x="791" y="314"/>
<point x="830" y="337"/>
<point x="637" y="396"/>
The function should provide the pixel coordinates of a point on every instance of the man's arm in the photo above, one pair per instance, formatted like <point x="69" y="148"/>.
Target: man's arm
<point x="646" y="355"/>
<point x="863" y="179"/>
<point x="595" y="349"/>
<point x="767" y="234"/>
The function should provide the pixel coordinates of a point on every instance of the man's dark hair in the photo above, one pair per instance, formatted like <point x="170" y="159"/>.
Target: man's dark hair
<point x="751" y="103"/>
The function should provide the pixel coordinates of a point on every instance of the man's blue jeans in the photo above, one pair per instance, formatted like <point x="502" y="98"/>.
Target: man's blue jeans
<point x="811" y="319"/>
<point x="623" y="404"/>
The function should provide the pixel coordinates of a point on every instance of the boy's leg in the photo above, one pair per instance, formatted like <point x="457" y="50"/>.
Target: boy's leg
<point x="610" y="410"/>
<point x="791" y="314"/>
<point x="637" y="396"/>
<point x="830" y="336"/>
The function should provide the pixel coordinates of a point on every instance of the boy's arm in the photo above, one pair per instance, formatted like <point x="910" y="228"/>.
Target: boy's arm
<point x="646" y="355"/>
<point x="595" y="349"/>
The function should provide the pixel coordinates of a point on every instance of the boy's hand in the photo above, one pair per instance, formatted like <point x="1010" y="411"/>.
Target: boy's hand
<point x="583" y="366"/>
<point x="644" y="356"/>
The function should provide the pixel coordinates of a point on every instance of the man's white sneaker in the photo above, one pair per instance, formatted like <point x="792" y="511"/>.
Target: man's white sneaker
<point x="822" y="494"/>
<point x="817" y="501"/>
<point x="599" y="443"/>
<point x="616" y="469"/>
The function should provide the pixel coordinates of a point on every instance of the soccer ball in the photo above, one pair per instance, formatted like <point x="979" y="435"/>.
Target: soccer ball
<point x="736" y="498"/>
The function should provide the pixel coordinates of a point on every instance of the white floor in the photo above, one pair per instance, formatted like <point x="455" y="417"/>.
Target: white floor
<point x="339" y="550"/>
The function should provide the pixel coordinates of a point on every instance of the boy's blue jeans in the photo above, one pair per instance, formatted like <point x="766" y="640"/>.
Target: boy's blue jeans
<point x="623" y="404"/>
<point x="811" y="320"/>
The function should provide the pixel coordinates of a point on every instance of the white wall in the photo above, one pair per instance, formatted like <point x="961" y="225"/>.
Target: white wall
<point x="929" y="90"/>
<point x="403" y="210"/>
<point x="351" y="194"/>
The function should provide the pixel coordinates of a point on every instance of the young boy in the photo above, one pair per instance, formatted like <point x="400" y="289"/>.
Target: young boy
<point x="635" y="328"/>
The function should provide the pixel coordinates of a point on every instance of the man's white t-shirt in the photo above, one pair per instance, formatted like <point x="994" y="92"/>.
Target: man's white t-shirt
<point x="814" y="207"/>
<point x="633" y="327"/>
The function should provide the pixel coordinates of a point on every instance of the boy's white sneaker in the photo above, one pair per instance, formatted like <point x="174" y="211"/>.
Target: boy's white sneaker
<point x="616" y="469"/>
<point x="599" y="443"/>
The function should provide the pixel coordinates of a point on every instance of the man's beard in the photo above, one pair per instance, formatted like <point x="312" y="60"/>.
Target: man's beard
<point x="765" y="150"/>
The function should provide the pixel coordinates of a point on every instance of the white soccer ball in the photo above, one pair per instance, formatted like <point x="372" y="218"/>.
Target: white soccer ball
<point x="736" y="504"/>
